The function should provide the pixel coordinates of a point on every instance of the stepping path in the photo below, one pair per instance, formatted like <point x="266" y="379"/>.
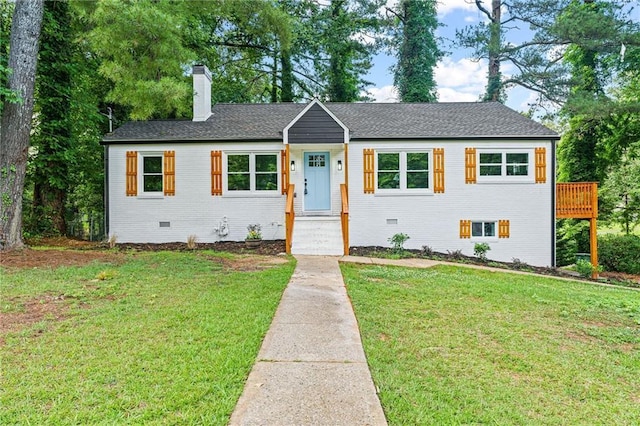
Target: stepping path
<point x="311" y="369"/>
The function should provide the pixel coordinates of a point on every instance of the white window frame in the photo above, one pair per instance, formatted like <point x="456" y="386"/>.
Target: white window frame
<point x="403" y="190"/>
<point x="253" y="192"/>
<point x="141" y="191"/>
<point x="503" y="177"/>
<point x="484" y="237"/>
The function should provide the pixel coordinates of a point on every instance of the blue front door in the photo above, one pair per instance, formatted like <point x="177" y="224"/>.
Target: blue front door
<point x="317" y="188"/>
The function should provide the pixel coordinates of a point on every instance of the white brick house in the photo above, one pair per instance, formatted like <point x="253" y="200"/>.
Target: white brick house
<point x="447" y="174"/>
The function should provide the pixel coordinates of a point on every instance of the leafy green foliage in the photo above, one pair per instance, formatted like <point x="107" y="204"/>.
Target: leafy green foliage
<point x="480" y="250"/>
<point x="620" y="195"/>
<point x="397" y="241"/>
<point x="415" y="24"/>
<point x="620" y="253"/>
<point x="586" y="269"/>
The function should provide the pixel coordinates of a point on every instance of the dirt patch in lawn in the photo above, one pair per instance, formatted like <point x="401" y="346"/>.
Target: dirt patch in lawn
<point x="46" y="307"/>
<point x="28" y="258"/>
<point x="250" y="263"/>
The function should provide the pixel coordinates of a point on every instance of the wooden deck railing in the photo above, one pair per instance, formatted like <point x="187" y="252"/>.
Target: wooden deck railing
<point x="577" y="200"/>
<point x="290" y="215"/>
<point x="344" y="218"/>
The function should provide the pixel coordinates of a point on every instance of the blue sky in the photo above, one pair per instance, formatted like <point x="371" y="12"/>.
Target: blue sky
<point x="459" y="78"/>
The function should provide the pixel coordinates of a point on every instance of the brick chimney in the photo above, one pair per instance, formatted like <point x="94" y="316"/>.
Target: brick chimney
<point x="201" y="93"/>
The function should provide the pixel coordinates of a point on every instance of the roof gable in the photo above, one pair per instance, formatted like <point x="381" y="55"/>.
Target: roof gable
<point x="315" y="124"/>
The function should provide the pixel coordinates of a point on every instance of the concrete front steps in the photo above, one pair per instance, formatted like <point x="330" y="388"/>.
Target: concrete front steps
<point x="317" y="235"/>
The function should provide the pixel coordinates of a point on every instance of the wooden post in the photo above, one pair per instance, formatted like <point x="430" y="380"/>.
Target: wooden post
<point x="593" y="229"/>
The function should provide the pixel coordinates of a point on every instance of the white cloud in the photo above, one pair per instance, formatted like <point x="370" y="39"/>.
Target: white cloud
<point x="460" y="81"/>
<point x="448" y="6"/>
<point x="383" y="94"/>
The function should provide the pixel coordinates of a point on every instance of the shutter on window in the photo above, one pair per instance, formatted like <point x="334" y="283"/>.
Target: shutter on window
<point x="470" y="165"/>
<point x="284" y="166"/>
<point x="132" y="173"/>
<point x="169" y="172"/>
<point x="503" y="229"/>
<point x="216" y="172"/>
<point x="369" y="171"/>
<point x="541" y="165"/>
<point x="438" y="170"/>
<point x="465" y="229"/>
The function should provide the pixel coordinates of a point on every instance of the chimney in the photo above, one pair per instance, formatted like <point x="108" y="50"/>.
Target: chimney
<point x="201" y="93"/>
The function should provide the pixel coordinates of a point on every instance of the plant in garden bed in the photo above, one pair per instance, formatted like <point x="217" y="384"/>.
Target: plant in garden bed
<point x="397" y="242"/>
<point x="480" y="250"/>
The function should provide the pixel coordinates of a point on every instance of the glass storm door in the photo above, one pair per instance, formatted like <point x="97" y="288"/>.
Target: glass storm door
<point x="317" y="189"/>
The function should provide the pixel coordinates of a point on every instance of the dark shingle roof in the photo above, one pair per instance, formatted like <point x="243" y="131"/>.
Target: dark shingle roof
<point x="254" y="122"/>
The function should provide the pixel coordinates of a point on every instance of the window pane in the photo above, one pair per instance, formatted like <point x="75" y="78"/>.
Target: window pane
<point x="238" y="163"/>
<point x="417" y="161"/>
<point x="522" y="158"/>
<point x="490" y="158"/>
<point x="239" y="182"/>
<point x="388" y="161"/>
<point x="489" y="229"/>
<point x="152" y="183"/>
<point x="417" y="180"/>
<point x="152" y="165"/>
<point x="266" y="163"/>
<point x="267" y="182"/>
<point x="517" y="170"/>
<point x="388" y="180"/>
<point x="490" y="170"/>
<point x="476" y="229"/>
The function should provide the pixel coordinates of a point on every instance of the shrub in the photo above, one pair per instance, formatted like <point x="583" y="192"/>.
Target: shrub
<point x="192" y="242"/>
<point x="455" y="254"/>
<point x="586" y="269"/>
<point x="397" y="241"/>
<point x="254" y="232"/>
<point x="620" y="253"/>
<point x="480" y="250"/>
<point x="427" y="251"/>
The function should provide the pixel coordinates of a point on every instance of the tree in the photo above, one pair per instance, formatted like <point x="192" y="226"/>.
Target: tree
<point x="52" y="138"/>
<point x="417" y="50"/>
<point x="620" y="194"/>
<point x="16" y="118"/>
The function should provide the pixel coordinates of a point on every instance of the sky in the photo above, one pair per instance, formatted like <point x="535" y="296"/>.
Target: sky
<point x="459" y="78"/>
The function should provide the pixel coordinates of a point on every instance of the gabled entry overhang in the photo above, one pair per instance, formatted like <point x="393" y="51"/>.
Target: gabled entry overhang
<point x="315" y="124"/>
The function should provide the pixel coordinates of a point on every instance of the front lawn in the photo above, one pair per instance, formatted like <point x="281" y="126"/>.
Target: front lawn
<point x="452" y="345"/>
<point x="161" y="338"/>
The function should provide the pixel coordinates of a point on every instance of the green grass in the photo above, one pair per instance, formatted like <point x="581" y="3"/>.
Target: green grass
<point x="163" y="338"/>
<point x="450" y="345"/>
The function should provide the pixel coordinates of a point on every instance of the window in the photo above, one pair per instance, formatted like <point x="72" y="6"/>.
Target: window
<point x="152" y="173"/>
<point x="252" y="172"/>
<point x="403" y="170"/>
<point x="504" y="163"/>
<point x="483" y="229"/>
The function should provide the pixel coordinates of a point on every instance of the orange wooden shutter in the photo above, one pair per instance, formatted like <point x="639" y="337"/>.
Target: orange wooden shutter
<point x="369" y="171"/>
<point x="216" y="172"/>
<point x="470" y="165"/>
<point x="132" y="173"/>
<point x="169" y="172"/>
<point x="284" y="166"/>
<point x="503" y="229"/>
<point x="438" y="170"/>
<point x="541" y="165"/>
<point x="465" y="229"/>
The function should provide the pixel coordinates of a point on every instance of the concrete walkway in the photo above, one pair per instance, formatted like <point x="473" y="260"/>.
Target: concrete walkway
<point x="311" y="369"/>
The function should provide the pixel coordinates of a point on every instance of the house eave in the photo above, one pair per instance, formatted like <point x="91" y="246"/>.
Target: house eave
<point x="185" y="140"/>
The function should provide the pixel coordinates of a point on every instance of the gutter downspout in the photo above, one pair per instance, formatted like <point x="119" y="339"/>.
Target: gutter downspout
<point x="553" y="204"/>
<point x="106" y="192"/>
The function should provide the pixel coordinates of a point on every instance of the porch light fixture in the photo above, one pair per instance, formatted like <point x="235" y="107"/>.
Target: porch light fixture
<point x="339" y="165"/>
<point x="293" y="166"/>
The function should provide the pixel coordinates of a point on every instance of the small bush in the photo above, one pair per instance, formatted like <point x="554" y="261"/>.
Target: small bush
<point x="585" y="268"/>
<point x="191" y="242"/>
<point x="455" y="254"/>
<point x="480" y="250"/>
<point x="620" y="253"/>
<point x="427" y="251"/>
<point x="397" y="241"/>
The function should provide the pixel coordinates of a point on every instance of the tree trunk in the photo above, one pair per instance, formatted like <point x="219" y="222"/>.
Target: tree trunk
<point x="16" y="118"/>
<point x="494" y="83"/>
<point x="286" y="93"/>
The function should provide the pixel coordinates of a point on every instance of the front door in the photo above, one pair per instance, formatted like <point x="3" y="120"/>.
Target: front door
<point x="317" y="188"/>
